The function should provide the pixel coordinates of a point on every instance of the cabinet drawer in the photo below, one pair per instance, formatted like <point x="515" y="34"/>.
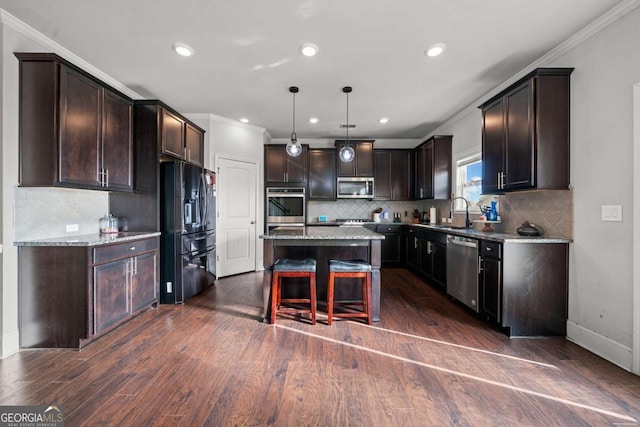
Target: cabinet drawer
<point x="123" y="250"/>
<point x="411" y="231"/>
<point x="491" y="249"/>
<point x="388" y="228"/>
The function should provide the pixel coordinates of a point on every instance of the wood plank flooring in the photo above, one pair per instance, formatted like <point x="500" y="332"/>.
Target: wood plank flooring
<point x="428" y="362"/>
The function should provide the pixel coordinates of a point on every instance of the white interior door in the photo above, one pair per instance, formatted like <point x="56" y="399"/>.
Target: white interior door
<point x="236" y="228"/>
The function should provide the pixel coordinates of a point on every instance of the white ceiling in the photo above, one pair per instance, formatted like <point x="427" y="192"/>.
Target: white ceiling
<point x="247" y="54"/>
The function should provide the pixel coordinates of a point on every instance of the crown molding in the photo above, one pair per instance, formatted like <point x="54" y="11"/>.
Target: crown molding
<point x="588" y="31"/>
<point x="31" y="33"/>
<point x="211" y="116"/>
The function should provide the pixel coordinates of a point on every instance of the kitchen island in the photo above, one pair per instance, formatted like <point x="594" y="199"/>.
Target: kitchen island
<point x="322" y="244"/>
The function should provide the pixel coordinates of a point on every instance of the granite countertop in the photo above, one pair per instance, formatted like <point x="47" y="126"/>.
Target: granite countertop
<point x="355" y="232"/>
<point x="465" y="232"/>
<point x="492" y="236"/>
<point x="89" y="239"/>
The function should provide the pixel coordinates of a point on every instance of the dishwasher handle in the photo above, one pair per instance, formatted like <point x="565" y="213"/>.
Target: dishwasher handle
<point x="466" y="242"/>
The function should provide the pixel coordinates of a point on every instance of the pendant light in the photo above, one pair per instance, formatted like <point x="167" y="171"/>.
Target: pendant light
<point x="347" y="153"/>
<point x="294" y="149"/>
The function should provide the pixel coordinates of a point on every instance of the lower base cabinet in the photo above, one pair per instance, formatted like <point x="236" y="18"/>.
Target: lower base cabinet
<point x="71" y="295"/>
<point x="392" y="249"/>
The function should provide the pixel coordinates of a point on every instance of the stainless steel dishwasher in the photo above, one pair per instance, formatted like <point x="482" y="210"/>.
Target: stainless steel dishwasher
<point x="462" y="270"/>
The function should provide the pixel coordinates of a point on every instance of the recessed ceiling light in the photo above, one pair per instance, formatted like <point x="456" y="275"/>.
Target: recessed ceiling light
<point x="313" y="120"/>
<point x="183" y="49"/>
<point x="384" y="120"/>
<point x="436" y="49"/>
<point x="244" y="120"/>
<point x="309" y="49"/>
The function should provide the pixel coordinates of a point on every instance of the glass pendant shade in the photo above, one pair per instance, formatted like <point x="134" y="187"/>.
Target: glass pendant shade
<point x="294" y="148"/>
<point x="346" y="153"/>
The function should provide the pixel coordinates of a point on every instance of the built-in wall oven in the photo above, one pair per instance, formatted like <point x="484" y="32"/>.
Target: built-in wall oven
<point x="285" y="206"/>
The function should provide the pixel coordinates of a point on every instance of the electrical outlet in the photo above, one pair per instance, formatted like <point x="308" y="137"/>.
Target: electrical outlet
<point x="72" y="227"/>
<point x="169" y="287"/>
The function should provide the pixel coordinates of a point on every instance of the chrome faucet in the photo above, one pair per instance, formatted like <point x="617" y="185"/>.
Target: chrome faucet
<point x="467" y="223"/>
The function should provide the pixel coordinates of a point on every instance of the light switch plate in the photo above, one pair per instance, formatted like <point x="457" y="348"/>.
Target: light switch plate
<point x="611" y="213"/>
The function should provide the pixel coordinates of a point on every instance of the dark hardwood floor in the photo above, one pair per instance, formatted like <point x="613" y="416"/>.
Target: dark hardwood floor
<point x="428" y="361"/>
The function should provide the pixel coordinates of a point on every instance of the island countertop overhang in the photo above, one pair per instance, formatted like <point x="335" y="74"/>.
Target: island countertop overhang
<point x="322" y="233"/>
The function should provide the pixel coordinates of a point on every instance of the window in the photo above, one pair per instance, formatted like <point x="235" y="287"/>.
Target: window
<point x="469" y="182"/>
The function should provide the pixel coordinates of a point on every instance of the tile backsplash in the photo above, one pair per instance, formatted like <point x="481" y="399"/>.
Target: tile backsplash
<point x="42" y="213"/>
<point x="550" y="209"/>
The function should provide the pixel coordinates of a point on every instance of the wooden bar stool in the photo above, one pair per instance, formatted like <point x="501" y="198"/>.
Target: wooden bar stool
<point x="284" y="267"/>
<point x="354" y="269"/>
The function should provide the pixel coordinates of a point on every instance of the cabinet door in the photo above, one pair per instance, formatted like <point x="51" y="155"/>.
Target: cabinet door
<point x="400" y="176"/>
<point x="110" y="294"/>
<point x="491" y="288"/>
<point x="425" y="261"/>
<point x="275" y="163"/>
<point x="412" y="248"/>
<point x="492" y="146"/>
<point x="296" y="167"/>
<point x="442" y="167"/>
<point x="420" y="189"/>
<point x="383" y="175"/>
<point x="428" y="171"/>
<point x="172" y="135"/>
<point x="144" y="283"/>
<point x="117" y="141"/>
<point x="364" y="159"/>
<point x="194" y="140"/>
<point x="520" y="148"/>
<point x="80" y="129"/>
<point x="439" y="266"/>
<point x="322" y="174"/>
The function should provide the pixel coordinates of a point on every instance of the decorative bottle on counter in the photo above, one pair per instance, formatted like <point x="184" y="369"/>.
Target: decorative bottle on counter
<point x="492" y="215"/>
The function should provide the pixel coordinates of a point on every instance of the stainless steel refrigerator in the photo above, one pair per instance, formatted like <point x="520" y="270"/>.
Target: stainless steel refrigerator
<point x="188" y="225"/>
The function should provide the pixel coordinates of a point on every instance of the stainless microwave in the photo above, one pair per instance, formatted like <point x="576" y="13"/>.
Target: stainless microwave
<point x="355" y="187"/>
<point x="286" y="206"/>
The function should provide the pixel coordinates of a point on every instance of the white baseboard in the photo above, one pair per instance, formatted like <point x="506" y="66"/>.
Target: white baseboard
<point x="10" y="344"/>
<point x="604" y="347"/>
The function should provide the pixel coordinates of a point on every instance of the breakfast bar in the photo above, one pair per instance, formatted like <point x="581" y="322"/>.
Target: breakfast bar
<point x="322" y="244"/>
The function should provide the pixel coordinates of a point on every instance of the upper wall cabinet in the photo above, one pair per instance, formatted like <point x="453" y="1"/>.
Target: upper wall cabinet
<point x="393" y="174"/>
<point x="322" y="174"/>
<point x="181" y="139"/>
<point x="75" y="131"/>
<point x="362" y="164"/>
<point x="280" y="168"/>
<point x="525" y="134"/>
<point x="433" y="168"/>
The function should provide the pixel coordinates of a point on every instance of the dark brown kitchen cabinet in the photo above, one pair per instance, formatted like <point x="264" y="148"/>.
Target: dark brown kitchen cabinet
<point x="411" y="247"/>
<point x="432" y="258"/>
<point x="322" y="174"/>
<point x="524" y="286"/>
<point x="157" y="126"/>
<point x="75" y="131"/>
<point x="194" y="143"/>
<point x="181" y="139"/>
<point x="433" y="168"/>
<point x="280" y="168"/>
<point x="525" y="134"/>
<point x="71" y="295"/>
<point x="491" y="280"/>
<point x="393" y="174"/>
<point x="391" y="248"/>
<point x="362" y="163"/>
